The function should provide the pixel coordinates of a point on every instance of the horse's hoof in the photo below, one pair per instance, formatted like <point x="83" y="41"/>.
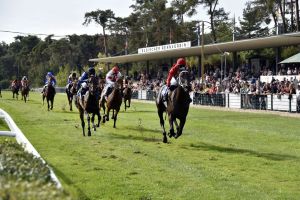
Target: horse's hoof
<point x="165" y="140"/>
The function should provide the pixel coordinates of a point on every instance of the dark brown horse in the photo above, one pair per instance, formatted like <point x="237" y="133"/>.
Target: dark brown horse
<point x="71" y="91"/>
<point x="89" y="104"/>
<point x="15" y="87"/>
<point x="114" y="101"/>
<point x="177" y="106"/>
<point x="49" y="93"/>
<point x="25" y="91"/>
<point x="127" y="93"/>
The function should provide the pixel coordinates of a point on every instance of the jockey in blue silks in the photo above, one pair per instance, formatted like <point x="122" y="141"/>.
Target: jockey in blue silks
<point x="49" y="77"/>
<point x="82" y="86"/>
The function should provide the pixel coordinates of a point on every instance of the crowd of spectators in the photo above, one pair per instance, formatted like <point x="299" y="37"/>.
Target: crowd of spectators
<point x="216" y="82"/>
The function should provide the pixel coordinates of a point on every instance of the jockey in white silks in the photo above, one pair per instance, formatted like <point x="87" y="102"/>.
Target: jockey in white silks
<point x="111" y="77"/>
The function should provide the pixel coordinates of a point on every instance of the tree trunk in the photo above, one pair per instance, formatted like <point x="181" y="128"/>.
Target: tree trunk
<point x="292" y="15"/>
<point x="282" y="12"/>
<point x="105" y="47"/>
<point x="297" y="15"/>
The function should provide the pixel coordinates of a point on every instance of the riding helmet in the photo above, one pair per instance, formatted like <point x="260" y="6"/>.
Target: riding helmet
<point x="115" y="69"/>
<point x="91" y="71"/>
<point x="181" y="61"/>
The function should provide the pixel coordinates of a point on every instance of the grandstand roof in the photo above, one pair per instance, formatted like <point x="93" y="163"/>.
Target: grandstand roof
<point x="218" y="48"/>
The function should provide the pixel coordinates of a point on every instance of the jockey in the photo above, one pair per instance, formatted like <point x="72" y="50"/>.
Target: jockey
<point x="49" y="79"/>
<point x="174" y="72"/>
<point x="179" y="66"/>
<point x="72" y="77"/>
<point x="24" y="81"/>
<point x="82" y="82"/>
<point x="110" y="79"/>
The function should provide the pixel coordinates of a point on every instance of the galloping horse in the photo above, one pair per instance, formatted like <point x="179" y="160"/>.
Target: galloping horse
<point x="127" y="93"/>
<point x="25" y="91"/>
<point x="177" y="106"/>
<point x="89" y="104"/>
<point x="71" y="91"/>
<point x="49" y="94"/>
<point x="15" y="87"/>
<point x="114" y="101"/>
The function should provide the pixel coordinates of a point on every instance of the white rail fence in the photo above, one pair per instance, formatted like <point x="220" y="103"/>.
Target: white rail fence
<point x="24" y="142"/>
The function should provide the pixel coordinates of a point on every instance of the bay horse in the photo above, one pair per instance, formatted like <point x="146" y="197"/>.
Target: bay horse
<point x="114" y="101"/>
<point x="49" y="93"/>
<point x="89" y="104"/>
<point x="15" y="87"/>
<point x="177" y="106"/>
<point x="71" y="91"/>
<point x="127" y="93"/>
<point x="25" y="91"/>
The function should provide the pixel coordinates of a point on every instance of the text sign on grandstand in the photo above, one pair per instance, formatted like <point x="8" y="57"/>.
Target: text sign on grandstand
<point x="166" y="47"/>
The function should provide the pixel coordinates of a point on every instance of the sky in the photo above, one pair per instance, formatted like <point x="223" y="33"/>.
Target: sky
<point x="65" y="17"/>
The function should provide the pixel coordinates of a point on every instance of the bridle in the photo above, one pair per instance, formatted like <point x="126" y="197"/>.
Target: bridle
<point x="183" y="82"/>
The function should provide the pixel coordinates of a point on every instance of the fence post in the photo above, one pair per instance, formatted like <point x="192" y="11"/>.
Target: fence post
<point x="272" y="101"/>
<point x="228" y="100"/>
<point x="290" y="104"/>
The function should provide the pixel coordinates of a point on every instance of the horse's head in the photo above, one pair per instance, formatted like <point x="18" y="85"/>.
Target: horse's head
<point x="73" y="88"/>
<point x="119" y="83"/>
<point x="184" y="81"/>
<point x="93" y="85"/>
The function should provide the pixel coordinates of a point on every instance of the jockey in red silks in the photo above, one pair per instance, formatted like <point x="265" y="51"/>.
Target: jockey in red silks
<point x="179" y="66"/>
<point x="110" y="79"/>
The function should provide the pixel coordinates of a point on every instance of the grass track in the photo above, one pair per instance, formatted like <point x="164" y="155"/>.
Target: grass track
<point x="221" y="154"/>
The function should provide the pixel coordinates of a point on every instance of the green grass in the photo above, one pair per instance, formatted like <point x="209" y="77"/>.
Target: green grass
<point x="221" y="154"/>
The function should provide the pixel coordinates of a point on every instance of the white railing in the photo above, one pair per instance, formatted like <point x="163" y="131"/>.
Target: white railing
<point x="24" y="142"/>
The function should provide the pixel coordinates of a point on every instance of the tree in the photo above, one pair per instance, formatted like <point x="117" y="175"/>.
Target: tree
<point x="102" y="17"/>
<point x="251" y="24"/>
<point x="215" y="15"/>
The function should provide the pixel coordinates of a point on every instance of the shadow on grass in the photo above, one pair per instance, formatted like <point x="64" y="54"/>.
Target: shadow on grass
<point x="131" y="137"/>
<point x="137" y="111"/>
<point x="269" y="156"/>
<point x="60" y="174"/>
<point x="141" y="129"/>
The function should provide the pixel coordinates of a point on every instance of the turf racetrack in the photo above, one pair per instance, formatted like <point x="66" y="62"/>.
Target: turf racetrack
<point x="221" y="154"/>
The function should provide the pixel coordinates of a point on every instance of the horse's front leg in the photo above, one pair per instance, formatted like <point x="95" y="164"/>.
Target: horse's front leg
<point x="125" y="103"/>
<point x="129" y="102"/>
<point x="113" y="114"/>
<point x="70" y="102"/>
<point x="181" y="125"/>
<point x="107" y="114"/>
<point x="115" y="118"/>
<point x="48" y="103"/>
<point x="99" y="117"/>
<point x="89" y="123"/>
<point x="171" y="120"/>
<point x="93" y="121"/>
<point x="162" y="124"/>
<point x="82" y="121"/>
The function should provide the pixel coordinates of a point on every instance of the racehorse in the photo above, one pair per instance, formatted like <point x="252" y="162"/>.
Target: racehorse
<point x="49" y="93"/>
<point x="15" y="87"/>
<point x="177" y="106"/>
<point x="25" y="91"/>
<point x="71" y="90"/>
<point x="114" y="101"/>
<point x="127" y="93"/>
<point x="89" y="104"/>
